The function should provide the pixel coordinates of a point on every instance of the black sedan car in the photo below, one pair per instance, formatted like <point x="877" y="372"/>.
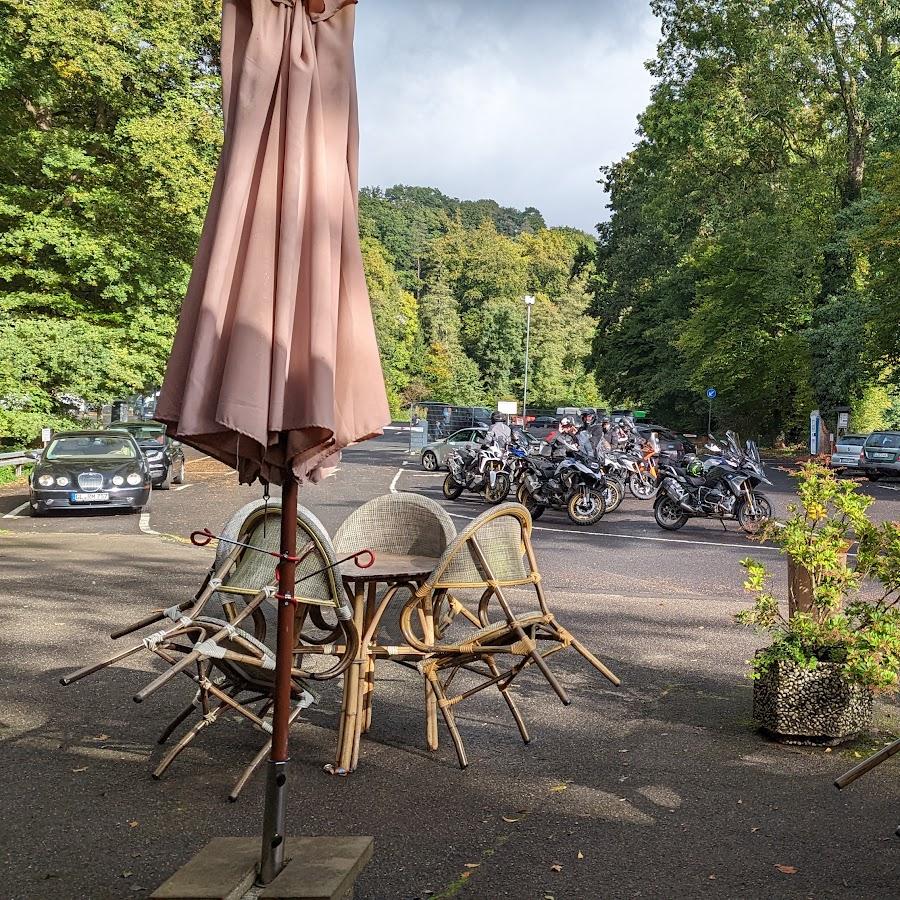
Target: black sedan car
<point x="165" y="456"/>
<point x="90" y="470"/>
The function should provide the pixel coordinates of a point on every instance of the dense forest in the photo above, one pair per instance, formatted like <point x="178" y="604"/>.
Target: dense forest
<point x="752" y="241"/>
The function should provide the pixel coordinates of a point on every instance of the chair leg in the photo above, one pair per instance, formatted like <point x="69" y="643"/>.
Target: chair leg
<point x="567" y="636"/>
<point x="170" y="728"/>
<point x="504" y="691"/>
<point x="257" y="761"/>
<point x="169" y="758"/>
<point x="449" y="718"/>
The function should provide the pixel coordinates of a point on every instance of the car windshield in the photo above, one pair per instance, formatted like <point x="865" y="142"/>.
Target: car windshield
<point x="149" y="433"/>
<point x="884" y="440"/>
<point x="852" y="440"/>
<point x="93" y="445"/>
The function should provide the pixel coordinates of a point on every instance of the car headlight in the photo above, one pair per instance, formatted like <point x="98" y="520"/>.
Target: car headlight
<point x="134" y="478"/>
<point x="118" y="480"/>
<point x="62" y="481"/>
<point x="45" y="481"/>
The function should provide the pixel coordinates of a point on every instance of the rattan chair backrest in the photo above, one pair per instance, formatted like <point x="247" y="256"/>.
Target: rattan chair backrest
<point x="259" y="524"/>
<point x="494" y="547"/>
<point x="401" y="524"/>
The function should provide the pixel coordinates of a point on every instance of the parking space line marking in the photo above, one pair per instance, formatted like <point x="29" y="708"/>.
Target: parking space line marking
<point x="182" y="487"/>
<point x="199" y="458"/>
<point x="144" y="524"/>
<point x="15" y="512"/>
<point x="396" y="479"/>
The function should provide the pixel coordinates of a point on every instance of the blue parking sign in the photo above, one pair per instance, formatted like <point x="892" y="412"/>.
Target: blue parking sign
<point x="711" y="393"/>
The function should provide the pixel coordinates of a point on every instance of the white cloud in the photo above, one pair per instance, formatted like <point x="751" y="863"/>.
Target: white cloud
<point x="518" y="100"/>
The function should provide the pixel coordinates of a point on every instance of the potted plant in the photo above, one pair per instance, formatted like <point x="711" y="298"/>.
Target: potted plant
<point x="840" y="642"/>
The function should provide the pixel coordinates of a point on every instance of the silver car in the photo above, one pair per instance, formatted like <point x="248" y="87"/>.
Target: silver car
<point x="847" y="451"/>
<point x="882" y="454"/>
<point x="434" y="455"/>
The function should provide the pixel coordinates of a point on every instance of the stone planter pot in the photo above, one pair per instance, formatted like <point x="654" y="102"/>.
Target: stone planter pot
<point x="810" y="706"/>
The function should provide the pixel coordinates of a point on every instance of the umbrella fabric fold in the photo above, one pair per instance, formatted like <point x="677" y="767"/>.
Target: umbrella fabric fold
<point x="275" y="366"/>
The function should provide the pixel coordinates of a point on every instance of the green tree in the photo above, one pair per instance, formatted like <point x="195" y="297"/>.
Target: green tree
<point x="109" y="133"/>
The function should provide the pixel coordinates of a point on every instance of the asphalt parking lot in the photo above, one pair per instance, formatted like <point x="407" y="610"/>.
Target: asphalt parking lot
<point x="659" y="789"/>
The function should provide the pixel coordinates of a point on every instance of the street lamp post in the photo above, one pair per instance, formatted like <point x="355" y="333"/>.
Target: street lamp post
<point x="529" y="302"/>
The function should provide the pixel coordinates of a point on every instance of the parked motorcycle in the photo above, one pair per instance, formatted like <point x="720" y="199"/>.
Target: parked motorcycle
<point x="481" y="472"/>
<point x="575" y="484"/>
<point x="723" y="486"/>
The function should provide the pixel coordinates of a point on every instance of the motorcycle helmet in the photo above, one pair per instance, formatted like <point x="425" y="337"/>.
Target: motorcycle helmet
<point x="695" y="468"/>
<point x="497" y="417"/>
<point x="588" y="418"/>
<point x="565" y="422"/>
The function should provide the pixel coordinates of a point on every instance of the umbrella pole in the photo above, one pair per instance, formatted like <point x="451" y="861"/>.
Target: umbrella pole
<point x="272" y="860"/>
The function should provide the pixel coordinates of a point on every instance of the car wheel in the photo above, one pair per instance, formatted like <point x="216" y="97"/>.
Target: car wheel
<point x="178" y="478"/>
<point x="164" y="484"/>
<point x="429" y="462"/>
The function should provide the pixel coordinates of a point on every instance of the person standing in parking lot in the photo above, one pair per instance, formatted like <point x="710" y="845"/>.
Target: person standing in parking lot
<point x="500" y="433"/>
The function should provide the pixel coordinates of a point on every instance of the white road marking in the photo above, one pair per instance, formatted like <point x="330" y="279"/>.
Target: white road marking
<point x="637" y="537"/>
<point x="182" y="487"/>
<point x="144" y="523"/>
<point x="396" y="479"/>
<point x="425" y="474"/>
<point x="15" y="512"/>
<point x="199" y="458"/>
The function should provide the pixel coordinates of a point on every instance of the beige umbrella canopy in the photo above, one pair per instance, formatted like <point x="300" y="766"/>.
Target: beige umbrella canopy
<point x="275" y="365"/>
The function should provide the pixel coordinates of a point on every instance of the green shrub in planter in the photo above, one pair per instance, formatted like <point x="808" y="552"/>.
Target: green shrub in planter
<point x="816" y="678"/>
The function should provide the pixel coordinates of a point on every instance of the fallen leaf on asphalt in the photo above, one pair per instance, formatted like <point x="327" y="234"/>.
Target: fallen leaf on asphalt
<point x="558" y="788"/>
<point x="828" y="749"/>
<point x="100" y="737"/>
<point x="133" y="823"/>
<point x="127" y="874"/>
<point x="472" y="865"/>
<point x="712" y="877"/>
<point x="82" y="769"/>
<point x="580" y="855"/>
<point x="549" y="897"/>
<point x="787" y="870"/>
<point x="556" y="867"/>
<point x="754" y="830"/>
<point x="509" y="819"/>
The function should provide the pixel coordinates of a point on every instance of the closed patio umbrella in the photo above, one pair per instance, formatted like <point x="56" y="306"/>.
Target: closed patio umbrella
<point x="275" y="367"/>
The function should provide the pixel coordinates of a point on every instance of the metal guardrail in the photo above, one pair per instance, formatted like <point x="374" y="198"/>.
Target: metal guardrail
<point x="17" y="460"/>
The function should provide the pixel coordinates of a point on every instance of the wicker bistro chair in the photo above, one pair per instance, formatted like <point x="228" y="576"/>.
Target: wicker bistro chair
<point x="232" y="667"/>
<point x="491" y="556"/>
<point x="401" y="524"/>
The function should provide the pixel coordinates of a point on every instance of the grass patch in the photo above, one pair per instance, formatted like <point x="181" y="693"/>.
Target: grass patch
<point x="8" y="474"/>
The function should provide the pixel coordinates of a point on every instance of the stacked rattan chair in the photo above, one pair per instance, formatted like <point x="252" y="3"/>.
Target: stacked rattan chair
<point x="494" y="558"/>
<point x="208" y="640"/>
<point x="397" y="524"/>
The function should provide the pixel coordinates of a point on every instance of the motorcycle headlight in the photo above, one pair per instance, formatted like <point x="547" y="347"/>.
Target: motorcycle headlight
<point x="134" y="479"/>
<point x="45" y="481"/>
<point x="118" y="480"/>
<point x="62" y="481"/>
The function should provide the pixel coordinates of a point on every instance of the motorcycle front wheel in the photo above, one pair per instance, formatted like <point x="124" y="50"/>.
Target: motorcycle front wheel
<point x="497" y="493"/>
<point x="452" y="488"/>
<point x="668" y="514"/>
<point x="641" y="488"/>
<point x="586" y="508"/>
<point x="753" y="519"/>
<point x="614" y="494"/>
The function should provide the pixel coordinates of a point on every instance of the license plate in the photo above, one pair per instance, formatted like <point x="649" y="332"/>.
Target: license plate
<point x="882" y="455"/>
<point x="87" y="498"/>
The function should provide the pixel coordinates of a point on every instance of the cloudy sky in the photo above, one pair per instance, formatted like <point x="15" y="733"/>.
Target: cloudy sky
<point x="518" y="100"/>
